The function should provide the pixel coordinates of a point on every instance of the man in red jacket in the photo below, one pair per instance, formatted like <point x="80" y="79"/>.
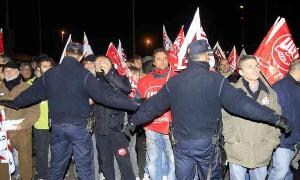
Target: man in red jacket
<point x="157" y="139"/>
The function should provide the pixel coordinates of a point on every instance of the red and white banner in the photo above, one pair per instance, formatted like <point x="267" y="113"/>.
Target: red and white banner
<point x="173" y="51"/>
<point x="276" y="52"/>
<point x="166" y="40"/>
<point x="218" y="52"/>
<point x="121" y="51"/>
<point x="1" y="42"/>
<point x="5" y="145"/>
<point x="86" y="46"/>
<point x="193" y="33"/>
<point x="119" y="64"/>
<point x="64" y="51"/>
<point x="233" y="59"/>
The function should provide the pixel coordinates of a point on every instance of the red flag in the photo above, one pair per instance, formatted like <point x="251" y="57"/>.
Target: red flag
<point x="119" y="64"/>
<point x="233" y="59"/>
<point x="276" y="52"/>
<point x="173" y="51"/>
<point x="1" y="42"/>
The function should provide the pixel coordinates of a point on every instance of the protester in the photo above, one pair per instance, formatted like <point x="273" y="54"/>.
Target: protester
<point x="249" y="144"/>
<point x="157" y="132"/>
<point x="41" y="127"/>
<point x="21" y="139"/>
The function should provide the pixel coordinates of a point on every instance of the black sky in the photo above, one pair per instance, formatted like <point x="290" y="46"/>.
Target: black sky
<point x="107" y="21"/>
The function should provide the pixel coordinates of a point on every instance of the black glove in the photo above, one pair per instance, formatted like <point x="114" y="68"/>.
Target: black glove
<point x="8" y="103"/>
<point x="284" y="124"/>
<point x="129" y="129"/>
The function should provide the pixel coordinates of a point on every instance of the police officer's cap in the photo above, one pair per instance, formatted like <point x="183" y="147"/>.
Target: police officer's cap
<point x="76" y="48"/>
<point x="198" y="47"/>
<point x="91" y="58"/>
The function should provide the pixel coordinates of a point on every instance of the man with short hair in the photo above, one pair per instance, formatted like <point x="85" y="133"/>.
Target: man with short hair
<point x="224" y="68"/>
<point x="249" y="145"/>
<point x="41" y="127"/>
<point x="157" y="132"/>
<point x="288" y="90"/>
<point x="68" y="87"/>
<point x="196" y="97"/>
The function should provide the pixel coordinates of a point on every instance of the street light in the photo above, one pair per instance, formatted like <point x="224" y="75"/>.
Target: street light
<point x="62" y="37"/>
<point x="148" y="42"/>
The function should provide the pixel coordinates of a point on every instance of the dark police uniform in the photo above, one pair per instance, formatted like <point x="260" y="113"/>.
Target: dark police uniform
<point x="196" y="97"/>
<point x="68" y="87"/>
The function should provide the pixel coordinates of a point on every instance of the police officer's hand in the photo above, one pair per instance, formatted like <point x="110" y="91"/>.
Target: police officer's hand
<point x="284" y="124"/>
<point x="129" y="129"/>
<point x="8" y="103"/>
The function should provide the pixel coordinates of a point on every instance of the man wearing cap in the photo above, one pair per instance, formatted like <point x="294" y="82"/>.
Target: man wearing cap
<point x="68" y="87"/>
<point x="21" y="140"/>
<point x="196" y="97"/>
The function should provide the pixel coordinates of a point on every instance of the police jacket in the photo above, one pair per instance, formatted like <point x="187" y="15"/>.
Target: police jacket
<point x="195" y="97"/>
<point x="109" y="120"/>
<point x="288" y="91"/>
<point x="68" y="88"/>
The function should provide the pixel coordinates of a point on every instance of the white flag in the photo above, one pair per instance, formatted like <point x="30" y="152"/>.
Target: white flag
<point x="86" y="46"/>
<point x="194" y="32"/>
<point x="166" y="40"/>
<point x="121" y="51"/>
<point x="243" y="52"/>
<point x="64" y="51"/>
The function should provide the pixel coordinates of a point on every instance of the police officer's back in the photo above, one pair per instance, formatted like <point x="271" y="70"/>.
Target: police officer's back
<point x="68" y="87"/>
<point x="195" y="97"/>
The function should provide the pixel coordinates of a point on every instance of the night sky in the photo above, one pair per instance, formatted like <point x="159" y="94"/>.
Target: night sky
<point x="107" y="21"/>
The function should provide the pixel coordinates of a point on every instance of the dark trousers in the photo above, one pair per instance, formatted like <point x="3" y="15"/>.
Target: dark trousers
<point x="42" y="140"/>
<point x="190" y="153"/>
<point x="67" y="139"/>
<point x="111" y="145"/>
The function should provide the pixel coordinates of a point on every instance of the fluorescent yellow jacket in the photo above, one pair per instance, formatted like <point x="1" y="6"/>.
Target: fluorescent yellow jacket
<point x="42" y="122"/>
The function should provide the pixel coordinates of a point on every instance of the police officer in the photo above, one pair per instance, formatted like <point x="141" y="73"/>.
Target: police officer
<point x="195" y="98"/>
<point x="68" y="87"/>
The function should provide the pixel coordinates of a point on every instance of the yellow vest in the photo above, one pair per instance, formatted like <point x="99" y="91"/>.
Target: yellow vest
<point x="42" y="122"/>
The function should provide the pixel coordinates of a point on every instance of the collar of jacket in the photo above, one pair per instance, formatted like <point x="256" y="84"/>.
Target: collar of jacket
<point x="71" y="60"/>
<point x="261" y="86"/>
<point x="157" y="73"/>
<point x="198" y="64"/>
<point x="12" y="83"/>
<point x="290" y="78"/>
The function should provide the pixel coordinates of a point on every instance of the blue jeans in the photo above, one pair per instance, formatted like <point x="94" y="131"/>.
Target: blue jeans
<point x="157" y="144"/>
<point x="192" y="153"/>
<point x="239" y="172"/>
<point x="280" y="167"/>
<point x="165" y="167"/>
<point x="67" y="139"/>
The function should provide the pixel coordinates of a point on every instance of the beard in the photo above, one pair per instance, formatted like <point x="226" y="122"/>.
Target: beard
<point x="9" y="78"/>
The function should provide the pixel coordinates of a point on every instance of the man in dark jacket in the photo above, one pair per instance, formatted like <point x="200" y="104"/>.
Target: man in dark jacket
<point x="68" y="87"/>
<point x="195" y="97"/>
<point x="109" y="130"/>
<point x="288" y="91"/>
